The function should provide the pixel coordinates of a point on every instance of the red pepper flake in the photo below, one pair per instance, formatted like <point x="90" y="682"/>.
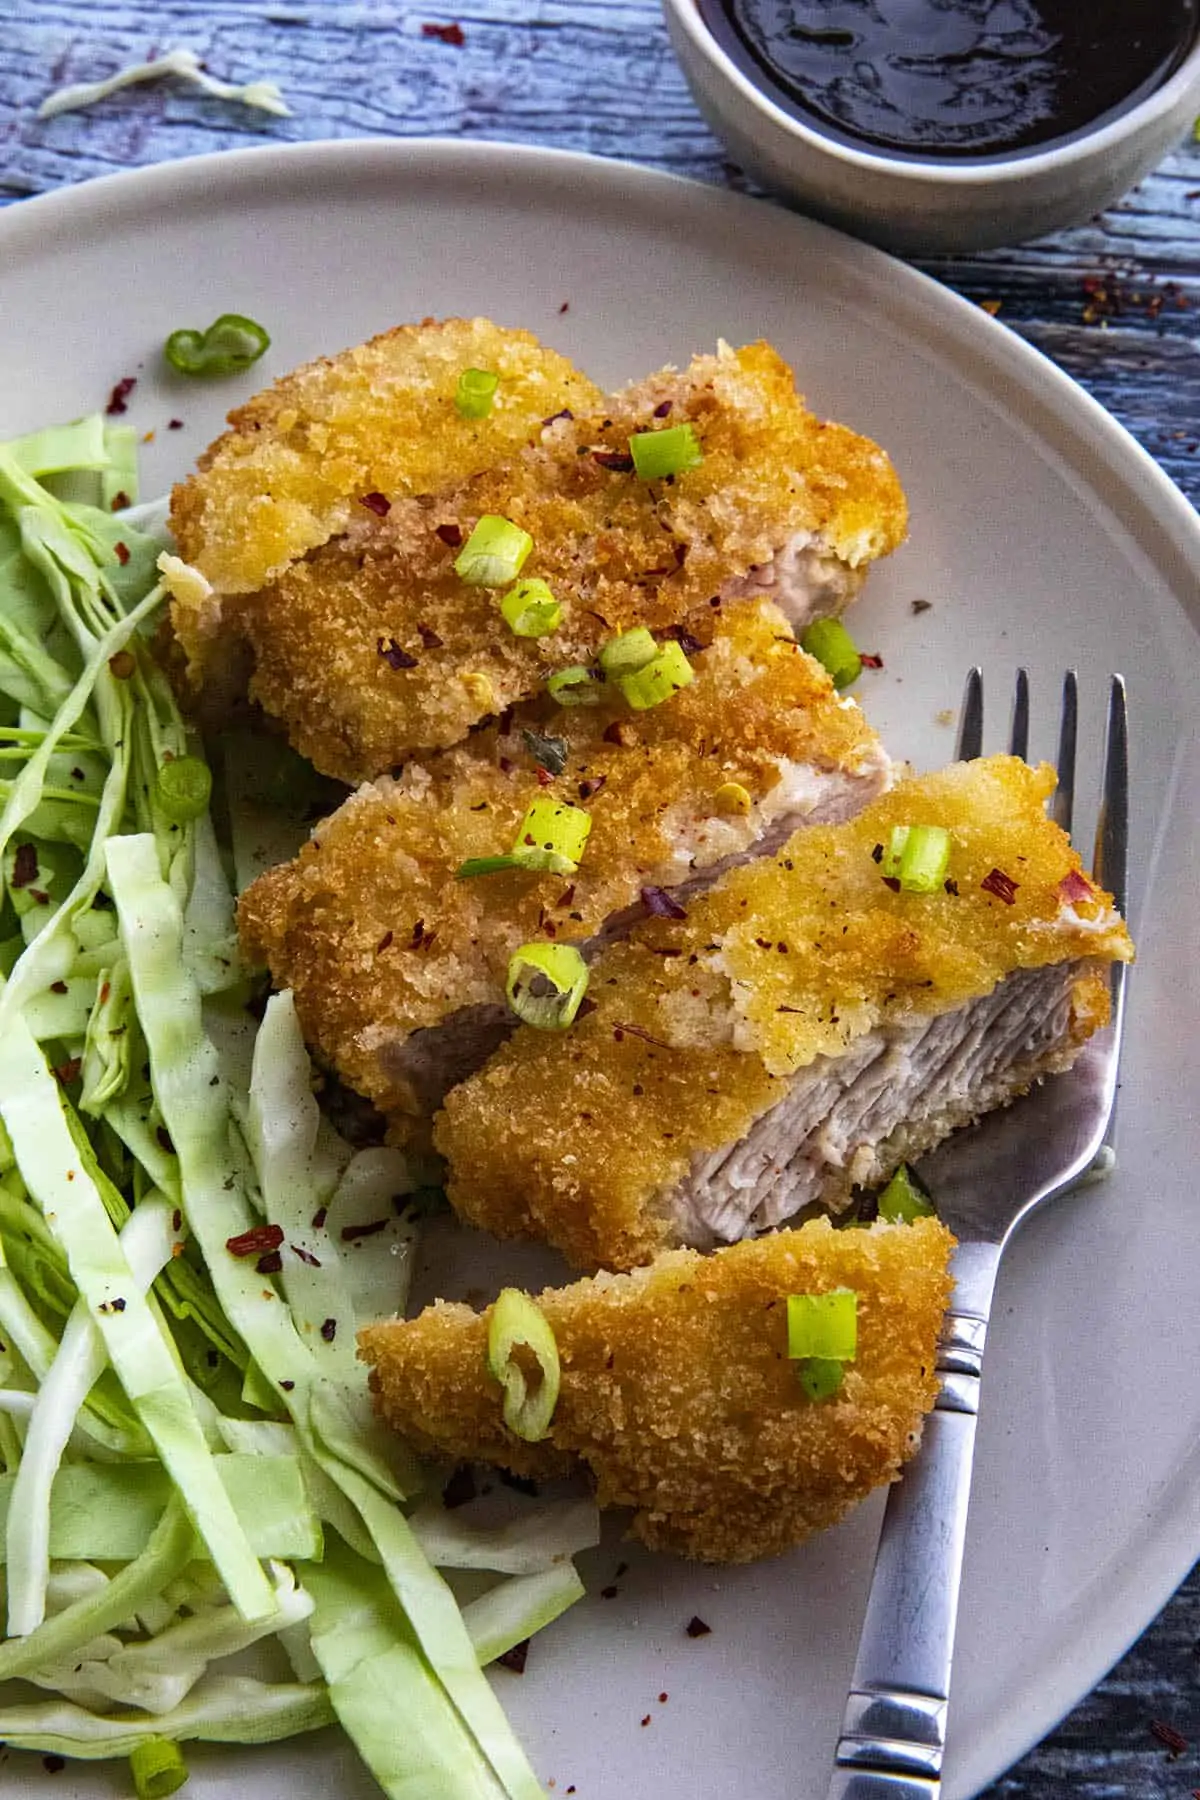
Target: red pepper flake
<point x="563" y="413"/>
<point x="516" y="1658"/>
<point x="69" y="1071"/>
<point x="305" y="1256"/>
<point x="565" y="307"/>
<point x="445" y="34"/>
<point x="663" y="408"/>
<point x="920" y="606"/>
<point x="58" y="987"/>
<point x="646" y="1720"/>
<point x="121" y="552"/>
<point x="319" y="1218"/>
<point x="352" y="1233"/>
<point x="450" y="534"/>
<point x="619" y="461"/>
<point x="1075" y="886"/>
<point x="1000" y="884"/>
<point x="176" y="1220"/>
<point x="610" y="1592"/>
<point x="696" y="1627"/>
<point x="379" y="504"/>
<point x="429" y="637"/>
<point x="269" y="1263"/>
<point x="591" y="786"/>
<point x="586" y="1005"/>
<point x="122" y="665"/>
<point x="120" y="394"/>
<point x="658" y="904"/>
<point x="690" y="645"/>
<point x="951" y="887"/>
<point x="893" y="882"/>
<point x="25" y="866"/>
<point x="384" y="943"/>
<point x="663" y="1698"/>
<point x="460" y="1489"/>
<point x="620" y="733"/>
<point x="119" y="502"/>
<point x="566" y="897"/>
<point x="544" y="777"/>
<point x="1166" y="1734"/>
<point x="54" y="1762"/>
<point x="877" y="853"/>
<point x="174" y="424"/>
<point x="329" y="1330"/>
<point x="256" y="1240"/>
<point x="164" y="1138"/>
<point x="393" y="655"/>
<point x="870" y="662"/>
<point x="287" y="1386"/>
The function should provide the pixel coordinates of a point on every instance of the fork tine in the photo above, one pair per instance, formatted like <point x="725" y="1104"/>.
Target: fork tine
<point x="970" y="722"/>
<point x="1062" y="806"/>
<point x="1018" y="737"/>
<point x="1112" y="827"/>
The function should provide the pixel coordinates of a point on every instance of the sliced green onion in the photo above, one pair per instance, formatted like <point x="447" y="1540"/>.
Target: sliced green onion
<point x="661" y="678"/>
<point x="575" y="686"/>
<point x="821" y="1377"/>
<point x="823" y="1325"/>
<point x="552" y="836"/>
<point x="494" y="554"/>
<point x="657" y="454"/>
<point x="627" y="653"/>
<point x="529" y="1399"/>
<point x="157" y="1767"/>
<point x="902" y="1200"/>
<point x="183" y="789"/>
<point x="917" y="856"/>
<point x="530" y="609"/>
<point x="486" y="865"/>
<point x="230" y="344"/>
<point x="475" y="392"/>
<point x="546" y="983"/>
<point x="831" y="644"/>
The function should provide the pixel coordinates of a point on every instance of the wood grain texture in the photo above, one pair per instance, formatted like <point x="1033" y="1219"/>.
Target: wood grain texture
<point x="598" y="75"/>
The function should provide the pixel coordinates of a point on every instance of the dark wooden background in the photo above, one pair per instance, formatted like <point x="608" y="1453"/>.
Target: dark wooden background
<point x="1116" y="303"/>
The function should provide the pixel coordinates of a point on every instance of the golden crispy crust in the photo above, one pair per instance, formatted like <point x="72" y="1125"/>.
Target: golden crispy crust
<point x="378" y="418"/>
<point x="697" y="1023"/>
<point x="368" y="924"/>
<point x="329" y="633"/>
<point x="677" y="1393"/>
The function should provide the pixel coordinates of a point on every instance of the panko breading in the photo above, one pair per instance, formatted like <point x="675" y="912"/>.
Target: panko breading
<point x="677" y="1392"/>
<point x="373" y="648"/>
<point x="380" y="942"/>
<point x="803" y="1030"/>
<point x="378" y="418"/>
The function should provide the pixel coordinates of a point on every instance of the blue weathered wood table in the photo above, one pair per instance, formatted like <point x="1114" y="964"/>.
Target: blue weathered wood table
<point x="1116" y="303"/>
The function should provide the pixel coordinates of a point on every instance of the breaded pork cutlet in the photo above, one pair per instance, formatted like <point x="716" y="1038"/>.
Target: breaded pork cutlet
<point x="399" y="969"/>
<point x="806" y="1028"/>
<point x="677" y="1393"/>
<point x="302" y="458"/>
<point x="380" y="418"/>
<point x="374" y="648"/>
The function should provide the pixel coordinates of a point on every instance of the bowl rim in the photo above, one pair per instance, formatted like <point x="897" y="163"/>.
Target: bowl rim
<point x="928" y="172"/>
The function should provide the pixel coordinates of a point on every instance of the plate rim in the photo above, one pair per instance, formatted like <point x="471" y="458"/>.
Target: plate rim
<point x="1044" y="397"/>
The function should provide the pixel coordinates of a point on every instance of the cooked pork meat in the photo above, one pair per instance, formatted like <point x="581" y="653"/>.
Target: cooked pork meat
<point x="399" y="969"/>
<point x="677" y="1394"/>
<point x="373" y="648"/>
<point x="804" y="1029"/>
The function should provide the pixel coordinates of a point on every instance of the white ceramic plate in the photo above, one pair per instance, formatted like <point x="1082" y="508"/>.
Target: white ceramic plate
<point x="1041" y="534"/>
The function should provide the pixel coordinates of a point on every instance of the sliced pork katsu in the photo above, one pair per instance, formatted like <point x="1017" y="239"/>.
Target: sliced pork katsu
<point x="389" y="640"/>
<point x="399" y="968"/>
<point x="809" y="1025"/>
<point x="677" y="1392"/>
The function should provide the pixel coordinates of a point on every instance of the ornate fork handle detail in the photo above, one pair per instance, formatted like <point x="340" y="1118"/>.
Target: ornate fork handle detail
<point x="894" y="1730"/>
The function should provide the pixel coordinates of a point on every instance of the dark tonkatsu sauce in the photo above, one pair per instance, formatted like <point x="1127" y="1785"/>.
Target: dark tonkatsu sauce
<point x="954" y="78"/>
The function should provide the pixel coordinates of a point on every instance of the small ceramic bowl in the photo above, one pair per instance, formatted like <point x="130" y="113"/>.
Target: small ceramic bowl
<point x="929" y="206"/>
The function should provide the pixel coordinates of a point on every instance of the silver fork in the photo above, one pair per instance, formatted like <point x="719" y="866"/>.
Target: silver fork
<point x="983" y="1182"/>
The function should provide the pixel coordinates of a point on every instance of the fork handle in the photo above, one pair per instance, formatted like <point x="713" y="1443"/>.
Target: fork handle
<point x="894" y="1730"/>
